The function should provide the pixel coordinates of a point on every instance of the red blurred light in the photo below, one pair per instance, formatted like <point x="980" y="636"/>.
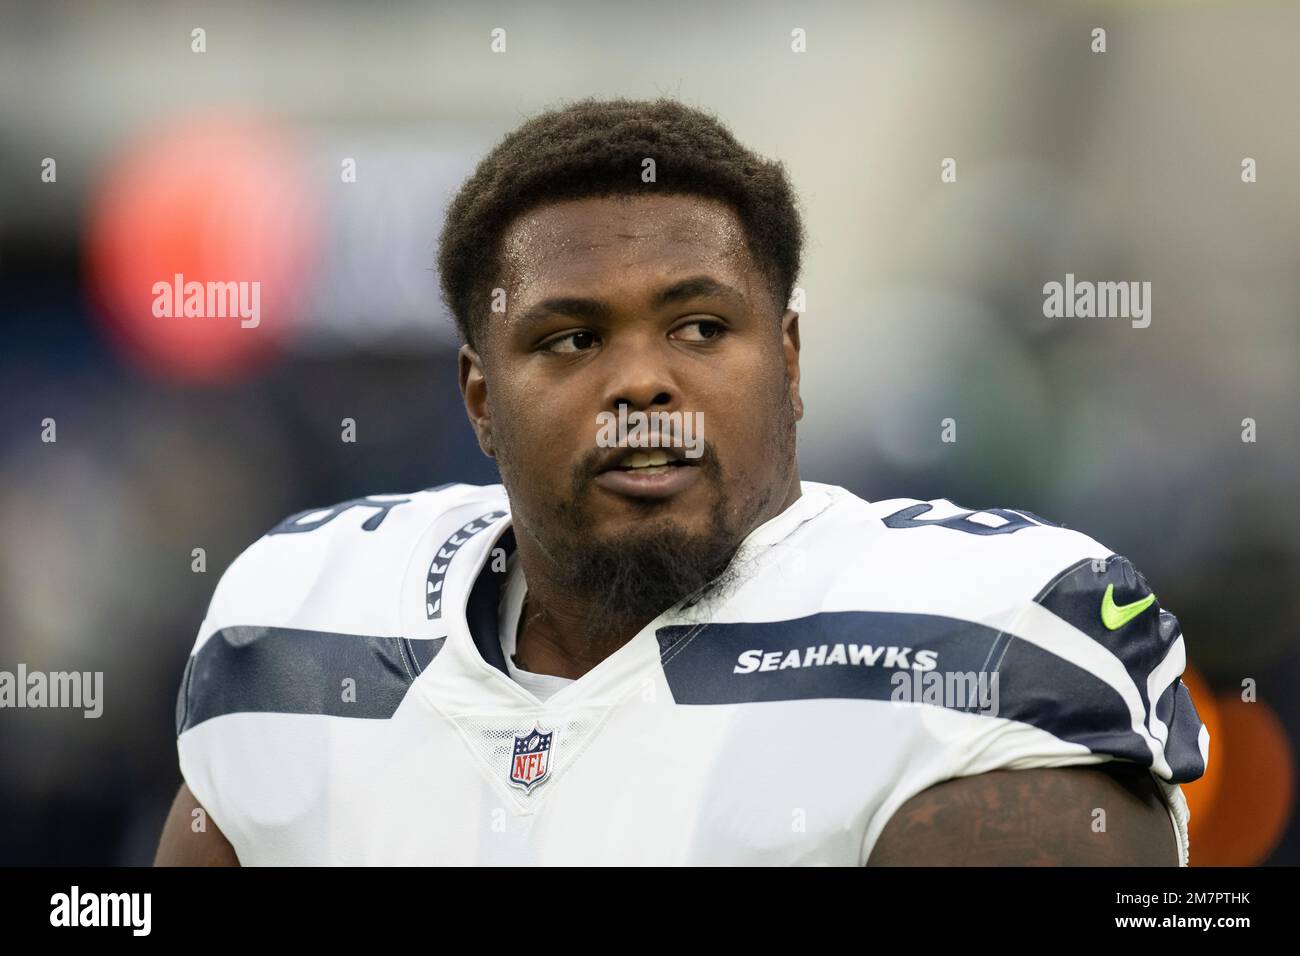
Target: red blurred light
<point x="216" y="198"/>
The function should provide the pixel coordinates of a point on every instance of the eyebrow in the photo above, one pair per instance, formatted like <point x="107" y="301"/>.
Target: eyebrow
<point x="595" y="310"/>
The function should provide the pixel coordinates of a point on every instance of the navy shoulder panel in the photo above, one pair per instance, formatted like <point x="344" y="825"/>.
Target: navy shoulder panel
<point x="1109" y="600"/>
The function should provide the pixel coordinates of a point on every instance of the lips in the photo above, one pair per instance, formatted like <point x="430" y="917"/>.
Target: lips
<point x="648" y="473"/>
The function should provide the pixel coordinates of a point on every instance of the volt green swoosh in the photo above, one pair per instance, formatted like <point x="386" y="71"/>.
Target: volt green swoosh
<point x="1116" y="616"/>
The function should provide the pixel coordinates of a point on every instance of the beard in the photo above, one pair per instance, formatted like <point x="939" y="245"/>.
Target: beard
<point x="633" y="576"/>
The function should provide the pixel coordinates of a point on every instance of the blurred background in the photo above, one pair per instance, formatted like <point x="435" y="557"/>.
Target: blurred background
<point x="924" y="301"/>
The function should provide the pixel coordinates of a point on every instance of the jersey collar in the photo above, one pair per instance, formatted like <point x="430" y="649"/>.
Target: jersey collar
<point x="478" y="620"/>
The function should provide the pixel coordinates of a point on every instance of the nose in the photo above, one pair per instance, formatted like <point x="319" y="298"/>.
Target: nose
<point x="642" y="381"/>
<point x="659" y="402"/>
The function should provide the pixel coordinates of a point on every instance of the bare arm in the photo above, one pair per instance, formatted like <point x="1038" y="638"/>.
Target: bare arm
<point x="182" y="846"/>
<point x="1044" y="817"/>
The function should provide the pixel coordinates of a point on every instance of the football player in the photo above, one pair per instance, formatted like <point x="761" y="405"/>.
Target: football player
<point x="655" y="652"/>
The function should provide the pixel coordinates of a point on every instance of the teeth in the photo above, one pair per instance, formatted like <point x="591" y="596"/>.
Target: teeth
<point x="643" y="459"/>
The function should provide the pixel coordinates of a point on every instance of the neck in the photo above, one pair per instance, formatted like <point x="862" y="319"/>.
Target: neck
<point x="551" y="635"/>
<point x="565" y="633"/>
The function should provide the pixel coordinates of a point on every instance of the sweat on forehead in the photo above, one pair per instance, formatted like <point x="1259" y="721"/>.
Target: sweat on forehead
<point x="599" y="236"/>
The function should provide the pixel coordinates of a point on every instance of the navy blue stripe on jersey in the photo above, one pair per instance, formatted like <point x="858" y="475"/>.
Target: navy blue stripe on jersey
<point x="288" y="671"/>
<point x="424" y="651"/>
<point x="705" y="665"/>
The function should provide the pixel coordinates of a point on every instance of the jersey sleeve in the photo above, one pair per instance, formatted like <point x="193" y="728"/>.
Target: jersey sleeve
<point x="302" y="624"/>
<point x="201" y="688"/>
<point x="1087" y="672"/>
<point x="229" y="672"/>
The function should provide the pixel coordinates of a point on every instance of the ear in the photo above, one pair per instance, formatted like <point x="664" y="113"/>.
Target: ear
<point x="473" y="389"/>
<point x="790" y="342"/>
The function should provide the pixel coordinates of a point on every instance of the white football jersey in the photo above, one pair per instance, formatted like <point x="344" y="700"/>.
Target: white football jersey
<point x="347" y="700"/>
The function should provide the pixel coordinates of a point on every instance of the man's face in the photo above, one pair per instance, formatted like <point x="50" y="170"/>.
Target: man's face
<point x="654" y="304"/>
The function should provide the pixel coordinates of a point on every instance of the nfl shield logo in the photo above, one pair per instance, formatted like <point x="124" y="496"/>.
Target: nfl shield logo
<point x="532" y="759"/>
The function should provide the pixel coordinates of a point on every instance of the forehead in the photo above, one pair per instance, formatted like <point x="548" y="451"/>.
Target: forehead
<point x="595" y="241"/>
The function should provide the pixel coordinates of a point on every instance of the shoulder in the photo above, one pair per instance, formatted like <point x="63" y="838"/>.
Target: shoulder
<point x="1075" y="635"/>
<point x="318" y="601"/>
<point x="980" y="564"/>
<point x="1012" y="552"/>
<point x="338" y="564"/>
<point x="306" y="627"/>
<point x="997" y="564"/>
<point x="1081" y="660"/>
<point x="1091" y="655"/>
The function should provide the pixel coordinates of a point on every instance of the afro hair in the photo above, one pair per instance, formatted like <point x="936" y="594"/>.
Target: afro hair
<point x="594" y="148"/>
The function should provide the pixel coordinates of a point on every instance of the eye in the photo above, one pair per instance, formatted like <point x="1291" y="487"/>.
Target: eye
<point x="705" y="330"/>
<point x="577" y="341"/>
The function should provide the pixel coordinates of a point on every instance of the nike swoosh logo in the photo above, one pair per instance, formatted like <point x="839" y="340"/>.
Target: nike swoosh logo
<point x="1115" y="616"/>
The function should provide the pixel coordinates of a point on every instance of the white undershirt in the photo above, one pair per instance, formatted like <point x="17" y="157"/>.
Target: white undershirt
<point x="541" y="686"/>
